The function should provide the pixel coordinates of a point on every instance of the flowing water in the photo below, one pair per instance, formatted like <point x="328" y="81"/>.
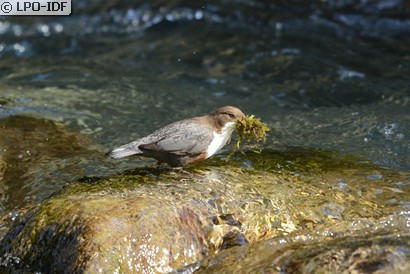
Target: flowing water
<point x="330" y="75"/>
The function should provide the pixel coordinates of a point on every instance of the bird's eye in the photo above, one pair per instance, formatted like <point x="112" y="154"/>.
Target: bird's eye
<point x="231" y="115"/>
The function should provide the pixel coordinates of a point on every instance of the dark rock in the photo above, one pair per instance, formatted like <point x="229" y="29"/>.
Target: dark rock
<point x="31" y="151"/>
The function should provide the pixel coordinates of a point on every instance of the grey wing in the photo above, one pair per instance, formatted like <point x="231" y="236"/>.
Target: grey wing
<point x="186" y="139"/>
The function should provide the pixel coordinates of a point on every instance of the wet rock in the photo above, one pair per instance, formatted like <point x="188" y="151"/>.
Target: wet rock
<point x="120" y="233"/>
<point x="281" y="214"/>
<point x="310" y="252"/>
<point x="95" y="227"/>
<point x="33" y="152"/>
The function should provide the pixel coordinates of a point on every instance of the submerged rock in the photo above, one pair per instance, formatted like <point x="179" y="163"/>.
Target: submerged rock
<point x="352" y="251"/>
<point x="255" y="212"/>
<point x="33" y="153"/>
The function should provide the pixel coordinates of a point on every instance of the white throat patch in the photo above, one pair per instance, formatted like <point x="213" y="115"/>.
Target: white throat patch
<point x="220" y="139"/>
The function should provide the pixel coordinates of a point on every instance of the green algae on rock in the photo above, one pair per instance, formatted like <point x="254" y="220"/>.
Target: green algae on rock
<point x="250" y="129"/>
<point x="157" y="220"/>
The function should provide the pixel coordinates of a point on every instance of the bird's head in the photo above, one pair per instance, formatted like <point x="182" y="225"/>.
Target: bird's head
<point x="227" y="115"/>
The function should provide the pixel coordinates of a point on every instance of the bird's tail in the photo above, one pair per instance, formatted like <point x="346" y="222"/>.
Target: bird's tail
<point x="124" y="151"/>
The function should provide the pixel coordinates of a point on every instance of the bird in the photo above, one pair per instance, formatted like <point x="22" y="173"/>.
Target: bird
<point x="185" y="142"/>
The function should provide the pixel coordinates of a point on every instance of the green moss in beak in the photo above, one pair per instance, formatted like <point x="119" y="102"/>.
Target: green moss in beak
<point x="253" y="131"/>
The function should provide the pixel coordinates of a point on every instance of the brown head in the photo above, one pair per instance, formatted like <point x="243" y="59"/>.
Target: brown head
<point x="225" y="115"/>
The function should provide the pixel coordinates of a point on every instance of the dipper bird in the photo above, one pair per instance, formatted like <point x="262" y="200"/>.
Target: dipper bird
<point x="187" y="141"/>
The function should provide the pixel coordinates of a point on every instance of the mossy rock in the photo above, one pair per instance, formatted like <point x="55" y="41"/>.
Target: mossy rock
<point x="158" y="220"/>
<point x="351" y="252"/>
